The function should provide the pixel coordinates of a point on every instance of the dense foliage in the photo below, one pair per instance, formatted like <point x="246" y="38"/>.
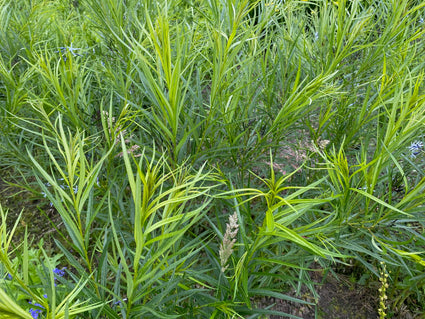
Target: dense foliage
<point x="204" y="154"/>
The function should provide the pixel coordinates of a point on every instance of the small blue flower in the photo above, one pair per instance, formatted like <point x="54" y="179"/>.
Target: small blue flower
<point x="59" y="272"/>
<point x="9" y="276"/>
<point x="119" y="302"/>
<point x="415" y="148"/>
<point x="69" y="49"/>
<point x="34" y="313"/>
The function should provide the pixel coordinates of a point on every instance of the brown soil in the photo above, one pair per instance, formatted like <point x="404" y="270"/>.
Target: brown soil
<point x="15" y="200"/>
<point x="338" y="298"/>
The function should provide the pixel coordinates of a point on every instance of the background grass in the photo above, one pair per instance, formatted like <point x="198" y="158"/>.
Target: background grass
<point x="145" y="124"/>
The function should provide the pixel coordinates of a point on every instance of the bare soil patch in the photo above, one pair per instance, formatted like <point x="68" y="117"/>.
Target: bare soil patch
<point x="338" y="299"/>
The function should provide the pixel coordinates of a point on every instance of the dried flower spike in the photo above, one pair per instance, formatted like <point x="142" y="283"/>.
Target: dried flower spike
<point x="226" y="247"/>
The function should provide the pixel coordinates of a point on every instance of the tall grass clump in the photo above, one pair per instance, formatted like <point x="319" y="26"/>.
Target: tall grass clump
<point x="203" y="158"/>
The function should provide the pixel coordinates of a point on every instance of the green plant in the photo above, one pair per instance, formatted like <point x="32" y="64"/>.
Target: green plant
<point x="144" y="125"/>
